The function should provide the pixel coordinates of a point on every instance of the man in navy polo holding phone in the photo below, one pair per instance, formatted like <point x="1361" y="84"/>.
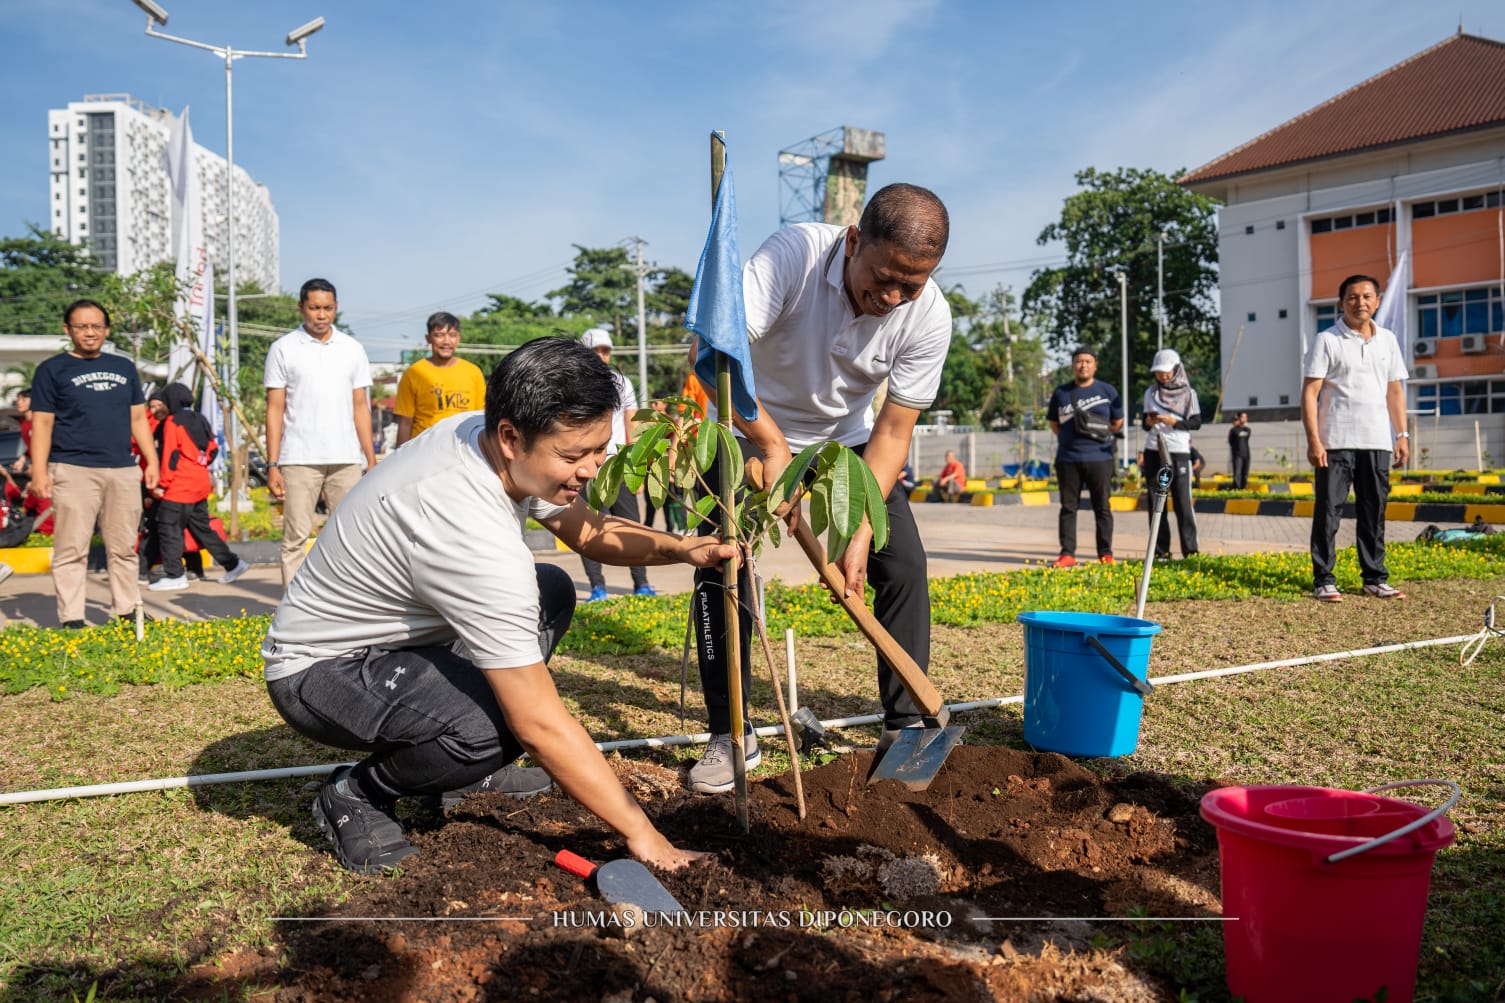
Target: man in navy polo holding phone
<point x="1085" y="414"/>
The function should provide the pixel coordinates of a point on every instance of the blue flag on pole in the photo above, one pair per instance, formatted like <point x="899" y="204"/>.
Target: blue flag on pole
<point x="716" y="311"/>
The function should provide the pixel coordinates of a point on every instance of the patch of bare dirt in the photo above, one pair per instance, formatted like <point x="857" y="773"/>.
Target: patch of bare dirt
<point x="969" y="890"/>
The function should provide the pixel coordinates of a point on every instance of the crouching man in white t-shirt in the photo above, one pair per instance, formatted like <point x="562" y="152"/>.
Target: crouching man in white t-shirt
<point x="419" y="627"/>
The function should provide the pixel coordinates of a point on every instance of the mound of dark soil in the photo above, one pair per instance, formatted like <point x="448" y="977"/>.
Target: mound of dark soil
<point x="879" y="893"/>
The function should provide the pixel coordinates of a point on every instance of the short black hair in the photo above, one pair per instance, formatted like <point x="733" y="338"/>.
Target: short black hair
<point x="316" y="286"/>
<point x="1083" y="350"/>
<point x="546" y="383"/>
<point x="441" y="320"/>
<point x="81" y="305"/>
<point x="1352" y="279"/>
<point x="909" y="217"/>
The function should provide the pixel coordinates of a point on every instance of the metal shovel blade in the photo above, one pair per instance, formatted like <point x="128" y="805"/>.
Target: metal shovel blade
<point x="916" y="755"/>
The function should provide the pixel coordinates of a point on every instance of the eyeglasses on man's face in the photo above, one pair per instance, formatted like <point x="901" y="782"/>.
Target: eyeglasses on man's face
<point x="89" y="328"/>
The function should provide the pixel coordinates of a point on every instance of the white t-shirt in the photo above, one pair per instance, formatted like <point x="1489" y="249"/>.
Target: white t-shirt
<point x="817" y="362"/>
<point x="1352" y="412"/>
<point x="319" y="377"/>
<point x="627" y="406"/>
<point x="426" y="549"/>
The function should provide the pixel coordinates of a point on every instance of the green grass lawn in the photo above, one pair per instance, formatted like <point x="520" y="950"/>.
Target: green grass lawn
<point x="99" y="889"/>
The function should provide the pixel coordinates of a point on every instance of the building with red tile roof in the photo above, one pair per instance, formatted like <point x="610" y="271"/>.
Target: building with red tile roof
<point x="1406" y="167"/>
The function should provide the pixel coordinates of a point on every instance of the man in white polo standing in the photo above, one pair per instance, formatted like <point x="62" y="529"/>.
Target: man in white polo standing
<point x="1353" y="407"/>
<point x="318" y="418"/>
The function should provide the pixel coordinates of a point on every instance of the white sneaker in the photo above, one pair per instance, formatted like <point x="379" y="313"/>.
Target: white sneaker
<point x="241" y="567"/>
<point x="713" y="774"/>
<point x="6" y="571"/>
<point x="169" y="584"/>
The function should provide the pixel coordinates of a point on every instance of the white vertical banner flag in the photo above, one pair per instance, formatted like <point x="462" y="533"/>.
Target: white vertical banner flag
<point x="194" y="271"/>
<point x="1392" y="312"/>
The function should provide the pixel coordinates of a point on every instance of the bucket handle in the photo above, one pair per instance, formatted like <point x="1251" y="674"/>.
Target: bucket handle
<point x="1142" y="685"/>
<point x="1411" y="826"/>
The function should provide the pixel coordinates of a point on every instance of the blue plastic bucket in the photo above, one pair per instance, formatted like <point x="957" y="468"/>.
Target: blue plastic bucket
<point x="1076" y="702"/>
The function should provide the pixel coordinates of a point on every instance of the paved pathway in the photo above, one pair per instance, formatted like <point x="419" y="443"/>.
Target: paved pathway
<point x="958" y="539"/>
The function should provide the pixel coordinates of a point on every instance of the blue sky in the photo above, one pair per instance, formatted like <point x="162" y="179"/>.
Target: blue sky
<point x="426" y="154"/>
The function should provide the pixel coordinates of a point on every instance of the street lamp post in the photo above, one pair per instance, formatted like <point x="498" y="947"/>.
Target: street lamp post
<point x="157" y="17"/>
<point x="1159" y="290"/>
<point x="1123" y="335"/>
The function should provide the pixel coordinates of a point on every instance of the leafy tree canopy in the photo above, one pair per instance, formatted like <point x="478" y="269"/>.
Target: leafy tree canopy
<point x="993" y="372"/>
<point x="1112" y="224"/>
<point x="40" y="274"/>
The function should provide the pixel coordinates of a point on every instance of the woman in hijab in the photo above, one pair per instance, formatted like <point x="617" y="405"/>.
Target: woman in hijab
<point x="185" y="443"/>
<point x="1171" y="413"/>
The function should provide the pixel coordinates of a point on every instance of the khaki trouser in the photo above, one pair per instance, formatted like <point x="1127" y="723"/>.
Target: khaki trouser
<point x="304" y="483"/>
<point x="80" y="495"/>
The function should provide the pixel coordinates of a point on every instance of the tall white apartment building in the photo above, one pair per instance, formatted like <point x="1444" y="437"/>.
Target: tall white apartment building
<point x="110" y="191"/>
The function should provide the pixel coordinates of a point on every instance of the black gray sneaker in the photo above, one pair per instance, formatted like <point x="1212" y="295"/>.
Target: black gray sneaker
<point x="514" y="781"/>
<point x="366" y="836"/>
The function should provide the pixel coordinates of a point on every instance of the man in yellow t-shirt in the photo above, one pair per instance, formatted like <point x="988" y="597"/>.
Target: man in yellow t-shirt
<point x="441" y="385"/>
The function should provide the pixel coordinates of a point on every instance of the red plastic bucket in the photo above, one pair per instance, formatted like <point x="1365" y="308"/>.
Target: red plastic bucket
<point x="1324" y="891"/>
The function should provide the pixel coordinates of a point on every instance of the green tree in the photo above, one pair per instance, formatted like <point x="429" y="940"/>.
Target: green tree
<point x="503" y="305"/>
<point x="992" y="367"/>
<point x="1112" y="224"/>
<point x="601" y="287"/>
<point x="39" y="275"/>
<point x="143" y="319"/>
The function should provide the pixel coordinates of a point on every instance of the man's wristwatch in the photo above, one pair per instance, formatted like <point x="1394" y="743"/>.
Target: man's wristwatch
<point x="273" y="465"/>
<point x="1403" y="435"/>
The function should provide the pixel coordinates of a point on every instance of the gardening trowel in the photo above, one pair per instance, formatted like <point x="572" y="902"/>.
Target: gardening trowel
<point x="624" y="883"/>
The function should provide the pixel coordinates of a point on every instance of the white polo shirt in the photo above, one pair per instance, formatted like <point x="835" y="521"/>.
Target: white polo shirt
<point x="1352" y="412"/>
<point x="817" y="362"/>
<point x="319" y="377"/>
<point x="427" y="549"/>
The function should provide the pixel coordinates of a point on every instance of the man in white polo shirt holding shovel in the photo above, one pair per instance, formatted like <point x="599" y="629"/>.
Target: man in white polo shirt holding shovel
<point x="833" y="312"/>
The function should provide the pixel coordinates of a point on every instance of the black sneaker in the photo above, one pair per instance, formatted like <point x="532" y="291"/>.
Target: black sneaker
<point x="367" y="837"/>
<point x="131" y="617"/>
<point x="75" y="624"/>
<point x="514" y="781"/>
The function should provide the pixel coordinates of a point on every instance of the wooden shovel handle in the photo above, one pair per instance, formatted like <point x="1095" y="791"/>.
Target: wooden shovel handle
<point x="924" y="694"/>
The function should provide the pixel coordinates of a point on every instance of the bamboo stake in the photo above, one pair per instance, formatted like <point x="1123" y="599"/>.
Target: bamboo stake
<point x="1228" y="371"/>
<point x="778" y="692"/>
<point x="727" y="490"/>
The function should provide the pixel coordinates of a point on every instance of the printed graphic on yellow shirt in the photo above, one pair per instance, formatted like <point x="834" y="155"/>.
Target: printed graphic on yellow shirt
<point x="428" y="394"/>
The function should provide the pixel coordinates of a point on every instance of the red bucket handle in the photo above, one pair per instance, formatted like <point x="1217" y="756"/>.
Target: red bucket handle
<point x="1411" y="826"/>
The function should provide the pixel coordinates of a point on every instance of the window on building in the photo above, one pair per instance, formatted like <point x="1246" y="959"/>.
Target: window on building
<point x="1473" y="202"/>
<point x="1280" y="224"/>
<point x="1463" y="397"/>
<point x="1327" y="224"/>
<point x="1249" y="228"/>
<point x="1461" y="311"/>
<point x="1282" y="314"/>
<point x="58" y="197"/>
<point x="1422" y="210"/>
<point x="83" y="158"/>
<point x="1327" y="316"/>
<point x="83" y="173"/>
<point x="1251" y="318"/>
<point x="1254" y="402"/>
<point x="1285" y="399"/>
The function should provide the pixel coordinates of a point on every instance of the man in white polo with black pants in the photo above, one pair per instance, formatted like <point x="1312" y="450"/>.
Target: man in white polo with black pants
<point x="1353" y="407"/>
<point x="318" y="418"/>
<point x="832" y="312"/>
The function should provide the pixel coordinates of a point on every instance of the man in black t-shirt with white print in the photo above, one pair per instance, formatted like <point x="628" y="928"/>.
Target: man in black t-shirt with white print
<point x="1085" y="414"/>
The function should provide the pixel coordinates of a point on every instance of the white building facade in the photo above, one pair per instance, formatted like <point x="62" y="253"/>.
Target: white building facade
<point x="109" y="190"/>
<point x="1407" y="166"/>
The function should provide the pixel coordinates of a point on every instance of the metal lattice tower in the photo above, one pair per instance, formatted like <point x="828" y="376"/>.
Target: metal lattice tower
<point x="823" y="179"/>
